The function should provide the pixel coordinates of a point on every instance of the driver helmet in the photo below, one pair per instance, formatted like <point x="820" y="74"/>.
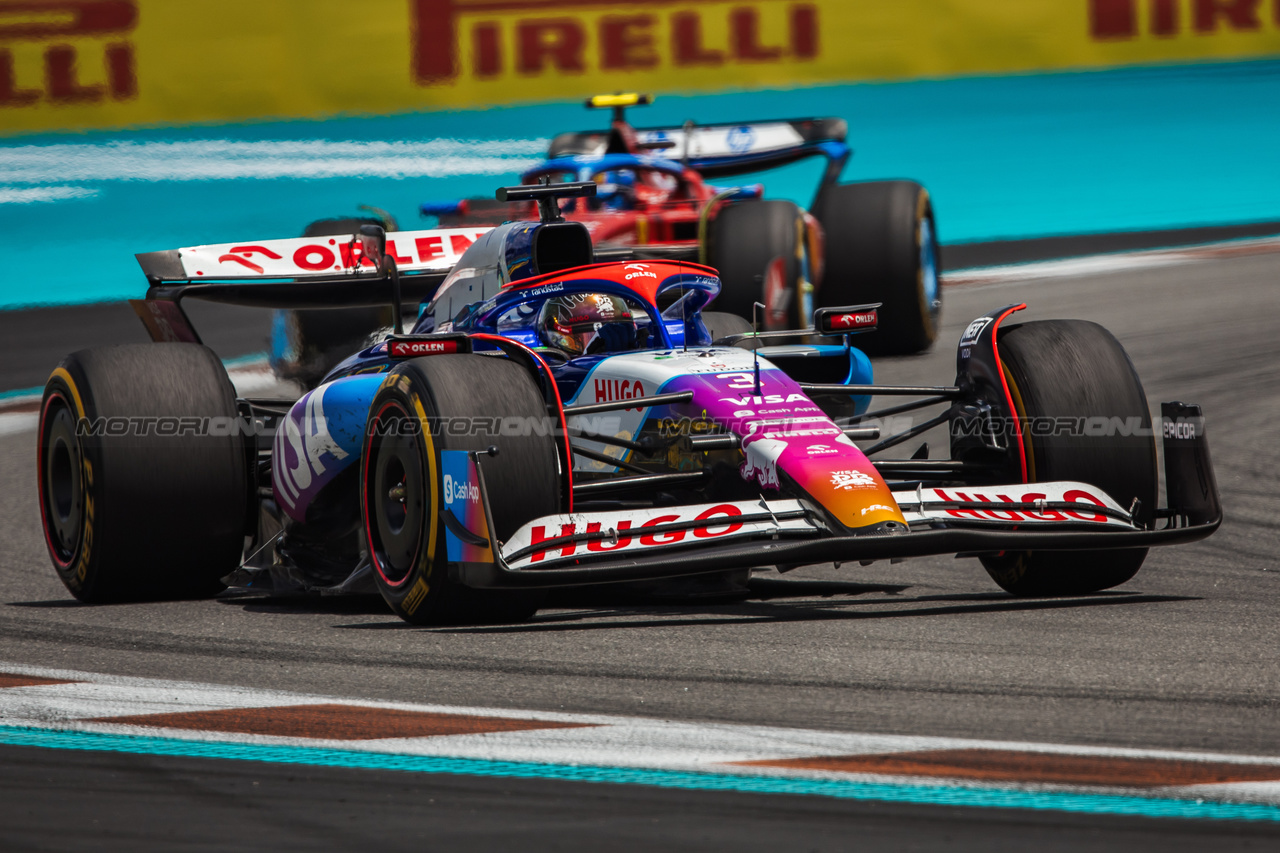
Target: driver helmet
<point x="617" y="189"/>
<point x="586" y="323"/>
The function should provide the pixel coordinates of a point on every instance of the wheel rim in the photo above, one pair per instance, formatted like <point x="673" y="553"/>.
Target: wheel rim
<point x="929" y="265"/>
<point x="776" y="295"/>
<point x="61" y="481"/>
<point x="804" y="287"/>
<point x="396" y="497"/>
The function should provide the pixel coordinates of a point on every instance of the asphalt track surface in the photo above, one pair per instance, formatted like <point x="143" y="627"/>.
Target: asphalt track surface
<point x="1182" y="657"/>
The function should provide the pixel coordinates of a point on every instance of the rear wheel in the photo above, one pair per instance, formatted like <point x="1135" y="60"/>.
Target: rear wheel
<point x="306" y="344"/>
<point x="762" y="254"/>
<point x="143" y="472"/>
<point x="477" y="402"/>
<point x="881" y="246"/>
<point x="1071" y="371"/>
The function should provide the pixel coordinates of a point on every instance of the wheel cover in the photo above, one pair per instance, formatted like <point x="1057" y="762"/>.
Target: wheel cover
<point x="929" y="266"/>
<point x="61" y="481"/>
<point x="804" y="287"/>
<point x="396" y="496"/>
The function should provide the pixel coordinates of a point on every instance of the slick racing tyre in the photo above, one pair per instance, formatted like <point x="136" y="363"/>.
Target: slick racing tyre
<point x="722" y="325"/>
<point x="1074" y="370"/>
<point x="402" y="479"/>
<point x="762" y="253"/>
<point x="881" y="246"/>
<point x="143" y="472"/>
<point x="307" y="344"/>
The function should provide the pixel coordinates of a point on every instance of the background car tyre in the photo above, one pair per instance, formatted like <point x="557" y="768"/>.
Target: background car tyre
<point x="722" y="325"/>
<point x="143" y="472"/>
<point x="306" y="344"/>
<point x="401" y="480"/>
<point x="742" y="241"/>
<point x="1072" y="369"/>
<point x="881" y="246"/>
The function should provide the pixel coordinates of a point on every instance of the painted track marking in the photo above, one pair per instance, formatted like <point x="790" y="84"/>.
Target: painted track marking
<point x="73" y="710"/>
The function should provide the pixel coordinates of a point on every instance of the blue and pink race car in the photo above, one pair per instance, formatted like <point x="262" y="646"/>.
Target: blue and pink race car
<point x="556" y="420"/>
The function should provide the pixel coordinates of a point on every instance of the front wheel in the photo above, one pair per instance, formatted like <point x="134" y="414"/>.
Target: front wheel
<point x="426" y="411"/>
<point x="1071" y="373"/>
<point x="882" y="246"/>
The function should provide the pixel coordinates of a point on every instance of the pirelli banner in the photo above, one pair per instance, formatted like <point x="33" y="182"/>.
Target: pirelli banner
<point x="78" y="64"/>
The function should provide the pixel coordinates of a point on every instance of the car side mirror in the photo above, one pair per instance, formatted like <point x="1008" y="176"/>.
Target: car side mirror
<point x="847" y="320"/>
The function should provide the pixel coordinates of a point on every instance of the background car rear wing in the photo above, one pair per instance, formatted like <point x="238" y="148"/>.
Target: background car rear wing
<point x="721" y="150"/>
<point x="298" y="272"/>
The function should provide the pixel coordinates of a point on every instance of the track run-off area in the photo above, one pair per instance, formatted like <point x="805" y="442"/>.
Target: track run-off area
<point x="907" y="704"/>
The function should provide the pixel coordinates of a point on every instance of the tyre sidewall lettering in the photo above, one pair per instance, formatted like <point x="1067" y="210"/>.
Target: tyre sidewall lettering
<point x="924" y="211"/>
<point x="74" y="569"/>
<point x="409" y="594"/>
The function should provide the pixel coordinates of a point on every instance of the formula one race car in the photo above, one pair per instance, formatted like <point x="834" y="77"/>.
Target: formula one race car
<point x="548" y="423"/>
<point x="863" y="242"/>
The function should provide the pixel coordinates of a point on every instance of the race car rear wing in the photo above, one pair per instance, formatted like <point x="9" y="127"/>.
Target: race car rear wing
<point x="432" y="251"/>
<point x="298" y="272"/>
<point x="722" y="150"/>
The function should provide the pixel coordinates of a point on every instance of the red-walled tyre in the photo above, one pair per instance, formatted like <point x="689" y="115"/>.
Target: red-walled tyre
<point x="1063" y="370"/>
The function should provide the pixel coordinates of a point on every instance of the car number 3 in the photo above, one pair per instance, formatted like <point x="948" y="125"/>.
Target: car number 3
<point x="740" y="380"/>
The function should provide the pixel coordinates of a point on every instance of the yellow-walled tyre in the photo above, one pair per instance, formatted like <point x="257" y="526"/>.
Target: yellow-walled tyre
<point x="143" y="473"/>
<point x="443" y="403"/>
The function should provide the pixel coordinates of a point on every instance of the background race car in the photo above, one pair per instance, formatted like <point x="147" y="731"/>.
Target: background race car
<point x="557" y="420"/>
<point x="856" y="243"/>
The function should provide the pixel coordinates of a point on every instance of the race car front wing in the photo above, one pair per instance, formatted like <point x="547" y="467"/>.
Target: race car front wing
<point x="661" y="542"/>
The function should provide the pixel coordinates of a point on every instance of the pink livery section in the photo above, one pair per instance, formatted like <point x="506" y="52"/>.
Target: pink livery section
<point x="782" y="432"/>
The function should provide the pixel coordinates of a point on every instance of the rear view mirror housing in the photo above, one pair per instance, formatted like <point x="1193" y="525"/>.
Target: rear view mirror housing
<point x="849" y="320"/>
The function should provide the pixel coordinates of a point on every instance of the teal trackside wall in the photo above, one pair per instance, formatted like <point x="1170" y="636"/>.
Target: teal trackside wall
<point x="1005" y="158"/>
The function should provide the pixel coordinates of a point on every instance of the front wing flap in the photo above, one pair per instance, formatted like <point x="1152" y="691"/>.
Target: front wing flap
<point x="659" y="542"/>
<point x="606" y="547"/>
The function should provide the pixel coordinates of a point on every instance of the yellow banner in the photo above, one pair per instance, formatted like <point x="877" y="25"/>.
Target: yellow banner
<point x="80" y="64"/>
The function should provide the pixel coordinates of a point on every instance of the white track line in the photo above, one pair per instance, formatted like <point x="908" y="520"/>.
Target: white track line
<point x="224" y="159"/>
<point x="598" y="740"/>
